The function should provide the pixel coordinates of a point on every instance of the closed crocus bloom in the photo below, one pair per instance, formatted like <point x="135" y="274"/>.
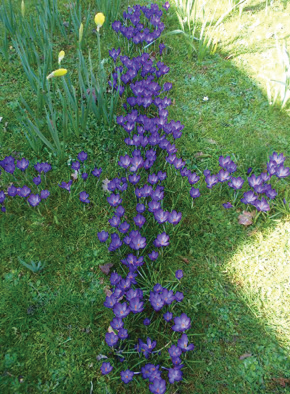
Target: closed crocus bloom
<point x="57" y="73"/>
<point x="22" y="9"/>
<point x="99" y="19"/>
<point x="60" y="56"/>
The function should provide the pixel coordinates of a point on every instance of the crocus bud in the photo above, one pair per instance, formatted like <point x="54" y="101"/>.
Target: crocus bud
<point x="22" y="9"/>
<point x="57" y="73"/>
<point x="60" y="56"/>
<point x="99" y="20"/>
<point x="81" y="31"/>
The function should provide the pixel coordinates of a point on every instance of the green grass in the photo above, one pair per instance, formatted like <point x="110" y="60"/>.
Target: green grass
<point x="236" y="282"/>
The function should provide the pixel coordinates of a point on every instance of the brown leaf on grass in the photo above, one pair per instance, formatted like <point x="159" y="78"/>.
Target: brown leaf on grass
<point x="184" y="259"/>
<point x="246" y="355"/>
<point x="106" y="268"/>
<point x="282" y="381"/>
<point x="246" y="218"/>
<point x="107" y="291"/>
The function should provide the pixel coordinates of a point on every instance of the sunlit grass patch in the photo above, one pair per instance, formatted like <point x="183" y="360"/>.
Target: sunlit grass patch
<point x="261" y="270"/>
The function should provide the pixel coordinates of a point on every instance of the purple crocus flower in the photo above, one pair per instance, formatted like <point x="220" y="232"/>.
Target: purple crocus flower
<point x="282" y="172"/>
<point x="82" y="156"/>
<point x="124" y="227"/>
<point x="161" y="48"/>
<point x="151" y="372"/>
<point x="121" y="310"/>
<point x="85" y="176"/>
<point x="166" y="5"/>
<point x="3" y="209"/>
<point x="227" y="205"/>
<point x="106" y="368"/>
<point x="262" y="205"/>
<point x="114" y="200"/>
<point x="44" y="194"/>
<point x="140" y="208"/>
<point x="12" y="191"/>
<point x="236" y="183"/>
<point x="76" y="165"/>
<point x="110" y="302"/>
<point x="116" y="242"/>
<point x="120" y="211"/>
<point x="156" y="301"/>
<point x="34" y="199"/>
<point x="223" y="176"/>
<point x="2" y="196"/>
<point x="127" y="376"/>
<point x="139" y="220"/>
<point x="161" y="240"/>
<point x="114" y="221"/>
<point x="249" y="197"/>
<point x="174" y="351"/>
<point x="24" y="191"/>
<point x="66" y="186"/>
<point x="192" y="178"/>
<point x="103" y="236"/>
<point x="271" y="193"/>
<point x="167" y="296"/>
<point x="97" y="172"/>
<point x="84" y="197"/>
<point x="255" y="181"/>
<point x="153" y="206"/>
<point x="176" y="361"/>
<point x="37" y="180"/>
<point x="114" y="53"/>
<point x="158" y="386"/>
<point x="279" y="159"/>
<point x="22" y="164"/>
<point x="117" y="323"/>
<point x="182" y="323"/>
<point x="161" y="216"/>
<point x="179" y="296"/>
<point x="123" y="333"/>
<point x="174" y="375"/>
<point x="46" y="167"/>
<point x="211" y="180"/>
<point x="183" y="343"/>
<point x="194" y="193"/>
<point x="153" y="255"/>
<point x="179" y="274"/>
<point x="138" y="242"/>
<point x="146" y="321"/>
<point x="168" y="316"/>
<point x="111" y="339"/>
<point x="174" y="217"/>
<point x="136" y="306"/>
<point x="115" y="278"/>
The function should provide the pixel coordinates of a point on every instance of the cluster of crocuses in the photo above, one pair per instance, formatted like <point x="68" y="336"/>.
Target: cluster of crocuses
<point x="150" y="139"/>
<point x="82" y="172"/>
<point x="260" y="184"/>
<point x="17" y="168"/>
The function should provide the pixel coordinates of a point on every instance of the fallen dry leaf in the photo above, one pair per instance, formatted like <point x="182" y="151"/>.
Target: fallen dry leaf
<point x="107" y="291"/>
<point x="110" y="329"/>
<point x="184" y="259"/>
<point x="246" y="355"/>
<point x="106" y="268"/>
<point x="282" y="381"/>
<point x="246" y="218"/>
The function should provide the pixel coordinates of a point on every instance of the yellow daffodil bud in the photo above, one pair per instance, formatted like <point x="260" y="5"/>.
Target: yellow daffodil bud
<point x="99" y="20"/>
<point x="57" y="73"/>
<point x="60" y="56"/>
<point x="81" y="31"/>
<point x="22" y="9"/>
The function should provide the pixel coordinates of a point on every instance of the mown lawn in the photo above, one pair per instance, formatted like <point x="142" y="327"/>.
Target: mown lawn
<point x="236" y="278"/>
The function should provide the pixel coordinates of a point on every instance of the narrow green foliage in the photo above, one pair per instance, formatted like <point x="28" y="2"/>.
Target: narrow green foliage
<point x="35" y="268"/>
